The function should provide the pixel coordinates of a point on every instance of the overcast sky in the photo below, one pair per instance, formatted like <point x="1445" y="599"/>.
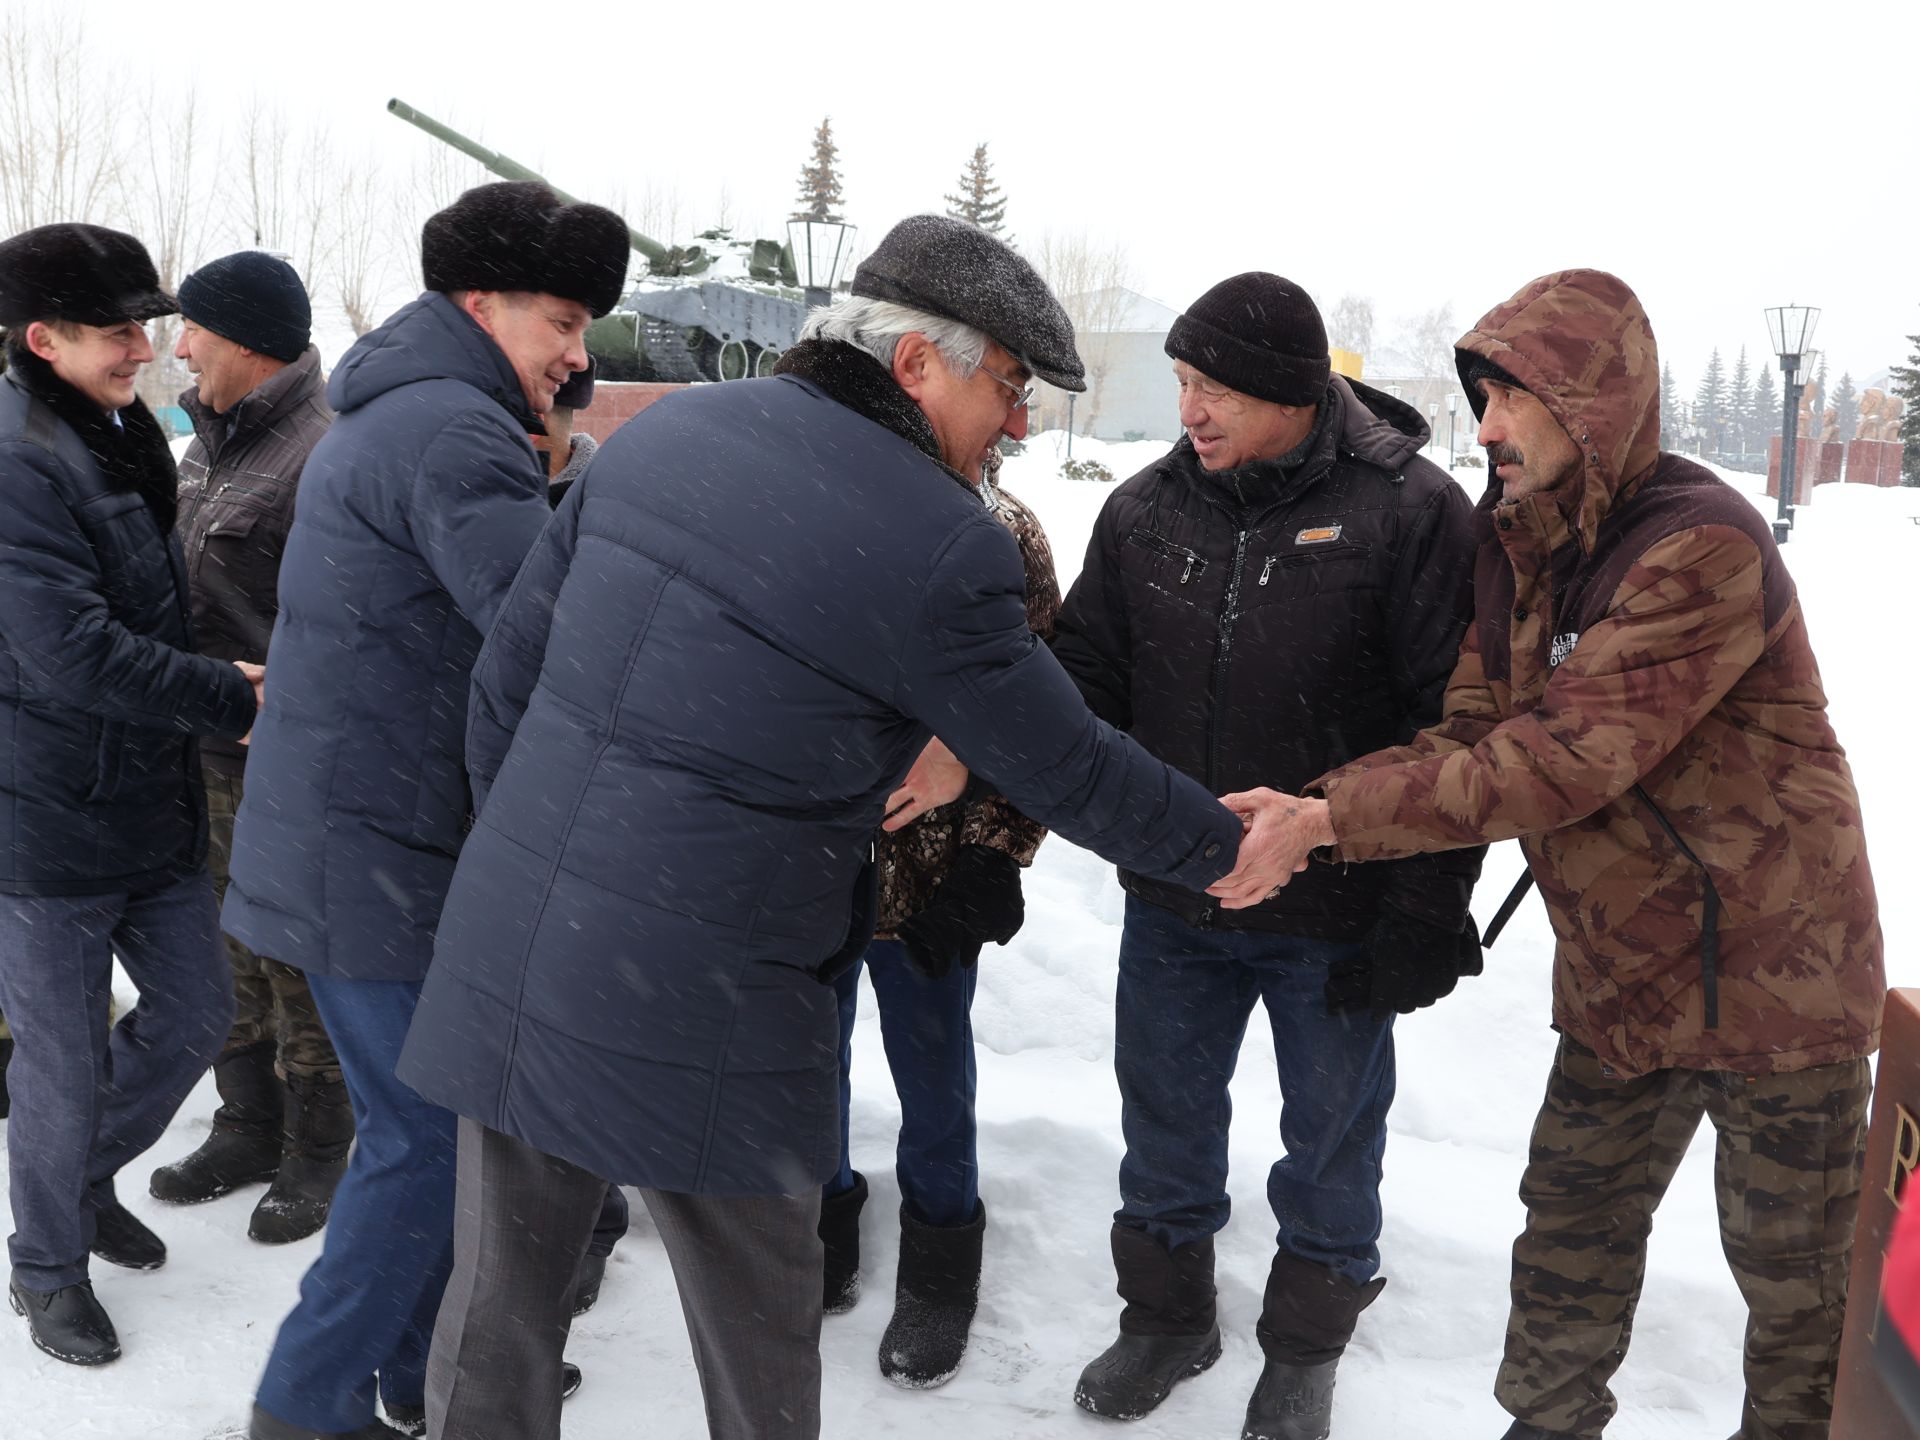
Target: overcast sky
<point x="1719" y="158"/>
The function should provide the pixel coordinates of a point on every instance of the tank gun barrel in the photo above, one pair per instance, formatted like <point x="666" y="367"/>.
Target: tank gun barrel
<point x="507" y="169"/>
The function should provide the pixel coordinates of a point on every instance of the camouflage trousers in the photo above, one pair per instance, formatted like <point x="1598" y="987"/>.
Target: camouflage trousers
<point x="1787" y="1162"/>
<point x="271" y="999"/>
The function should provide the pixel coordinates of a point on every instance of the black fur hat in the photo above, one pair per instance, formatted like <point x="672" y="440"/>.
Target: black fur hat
<point x="519" y="235"/>
<point x="86" y="273"/>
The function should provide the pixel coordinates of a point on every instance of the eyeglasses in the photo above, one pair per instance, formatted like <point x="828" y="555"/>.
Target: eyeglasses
<point x="1022" y="394"/>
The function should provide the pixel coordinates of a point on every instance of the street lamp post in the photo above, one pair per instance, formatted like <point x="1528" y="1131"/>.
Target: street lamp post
<point x="1433" y="421"/>
<point x="1453" y="408"/>
<point x="820" y="248"/>
<point x="1790" y="328"/>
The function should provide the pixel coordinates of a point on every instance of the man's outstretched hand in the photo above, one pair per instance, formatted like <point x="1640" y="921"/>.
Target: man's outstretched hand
<point x="936" y="778"/>
<point x="1280" y="832"/>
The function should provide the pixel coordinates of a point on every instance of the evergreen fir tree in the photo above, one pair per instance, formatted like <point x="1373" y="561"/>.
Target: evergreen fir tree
<point x="1766" y="405"/>
<point x="1906" y="384"/>
<point x="1669" y="415"/>
<point x="1846" y="407"/>
<point x="979" y="198"/>
<point x="820" y="196"/>
<point x="1739" y="406"/>
<point x="1710" y="406"/>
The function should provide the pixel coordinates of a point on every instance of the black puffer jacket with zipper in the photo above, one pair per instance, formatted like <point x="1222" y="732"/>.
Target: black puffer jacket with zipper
<point x="1258" y="626"/>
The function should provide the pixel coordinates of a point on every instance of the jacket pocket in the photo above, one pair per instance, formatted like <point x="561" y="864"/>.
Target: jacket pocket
<point x="108" y="746"/>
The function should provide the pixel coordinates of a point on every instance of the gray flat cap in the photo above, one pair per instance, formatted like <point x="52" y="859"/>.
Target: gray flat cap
<point x="954" y="268"/>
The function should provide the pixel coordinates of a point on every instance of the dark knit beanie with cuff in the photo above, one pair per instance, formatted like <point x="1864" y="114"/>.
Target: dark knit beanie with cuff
<point x="1476" y="368"/>
<point x="1258" y="334"/>
<point x="519" y="235"/>
<point x="253" y="299"/>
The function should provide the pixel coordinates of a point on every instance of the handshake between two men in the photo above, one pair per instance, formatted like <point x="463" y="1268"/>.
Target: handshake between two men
<point x="1279" y="831"/>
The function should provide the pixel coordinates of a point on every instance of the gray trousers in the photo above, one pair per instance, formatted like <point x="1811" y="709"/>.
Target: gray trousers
<point x="748" y="1272"/>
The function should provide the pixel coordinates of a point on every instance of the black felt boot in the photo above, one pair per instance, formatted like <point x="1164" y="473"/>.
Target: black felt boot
<point x="317" y="1133"/>
<point x="935" y="1294"/>
<point x="1305" y="1325"/>
<point x="840" y="1234"/>
<point x="1167" y="1330"/>
<point x="244" y="1146"/>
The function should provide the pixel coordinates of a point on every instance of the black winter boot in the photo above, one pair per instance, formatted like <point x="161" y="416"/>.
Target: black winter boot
<point x="67" y="1323"/>
<point x="244" y="1148"/>
<point x="121" y="1239"/>
<point x="586" y="1285"/>
<point x="934" y="1297"/>
<point x="840" y="1233"/>
<point x="1305" y="1325"/>
<point x="411" y="1420"/>
<point x="317" y="1135"/>
<point x="1168" y="1331"/>
<point x="271" y="1427"/>
<point x="1521" y="1430"/>
<point x="6" y="1054"/>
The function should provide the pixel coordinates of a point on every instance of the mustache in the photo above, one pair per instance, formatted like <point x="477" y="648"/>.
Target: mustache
<point x="1505" y="455"/>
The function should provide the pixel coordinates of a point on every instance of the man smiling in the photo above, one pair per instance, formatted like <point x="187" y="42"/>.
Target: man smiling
<point x="415" y="511"/>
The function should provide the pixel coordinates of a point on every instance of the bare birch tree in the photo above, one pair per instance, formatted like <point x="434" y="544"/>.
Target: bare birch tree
<point x="1094" y="281"/>
<point x="60" y="148"/>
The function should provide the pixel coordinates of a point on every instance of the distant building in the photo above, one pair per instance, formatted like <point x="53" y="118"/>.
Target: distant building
<point x="1130" y="395"/>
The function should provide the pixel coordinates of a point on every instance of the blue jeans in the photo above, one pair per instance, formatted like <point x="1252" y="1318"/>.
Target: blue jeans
<point x="927" y="1028"/>
<point x="1180" y="1013"/>
<point x="367" y="1305"/>
<point x="86" y="1101"/>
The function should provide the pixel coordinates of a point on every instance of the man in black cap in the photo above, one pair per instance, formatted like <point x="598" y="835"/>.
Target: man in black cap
<point x="258" y="406"/>
<point x="416" y="510"/>
<point x="713" y="671"/>
<point x="101" y="697"/>
<point x="1284" y="590"/>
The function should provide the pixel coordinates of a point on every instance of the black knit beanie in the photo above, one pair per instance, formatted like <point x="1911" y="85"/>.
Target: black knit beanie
<point x="1258" y="334"/>
<point x="1475" y="368"/>
<point x="253" y="299"/>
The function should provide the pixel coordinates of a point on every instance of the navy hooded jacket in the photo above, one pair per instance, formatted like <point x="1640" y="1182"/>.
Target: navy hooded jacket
<point x="100" y="695"/>
<point x="724" y="653"/>
<point x="414" y="512"/>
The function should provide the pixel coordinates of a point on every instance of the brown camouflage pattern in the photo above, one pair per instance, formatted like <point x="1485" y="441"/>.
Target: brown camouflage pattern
<point x="1788" y="1151"/>
<point x="913" y="861"/>
<point x="272" y="999"/>
<point x="1693" y="681"/>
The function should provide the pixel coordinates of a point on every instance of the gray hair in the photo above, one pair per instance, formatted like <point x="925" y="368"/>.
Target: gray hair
<point x="876" y="326"/>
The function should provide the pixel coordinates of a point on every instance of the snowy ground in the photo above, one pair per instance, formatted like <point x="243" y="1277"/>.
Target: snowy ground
<point x="1471" y="1071"/>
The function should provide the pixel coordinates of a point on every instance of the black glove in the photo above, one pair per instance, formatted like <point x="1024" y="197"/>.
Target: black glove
<point x="978" y="900"/>
<point x="1404" y="963"/>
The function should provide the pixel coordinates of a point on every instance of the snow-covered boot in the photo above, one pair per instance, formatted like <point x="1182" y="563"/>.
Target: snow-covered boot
<point x="1307" y="1319"/>
<point x="1168" y="1330"/>
<point x="840" y="1233"/>
<point x="317" y="1134"/>
<point x="1291" y="1402"/>
<point x="244" y="1146"/>
<point x="935" y="1294"/>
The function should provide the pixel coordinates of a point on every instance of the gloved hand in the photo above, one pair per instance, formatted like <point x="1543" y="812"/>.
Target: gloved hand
<point x="978" y="900"/>
<point x="1403" y="964"/>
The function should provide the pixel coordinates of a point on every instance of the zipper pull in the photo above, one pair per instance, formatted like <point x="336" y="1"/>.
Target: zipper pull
<point x="1187" y="574"/>
<point x="1266" y="570"/>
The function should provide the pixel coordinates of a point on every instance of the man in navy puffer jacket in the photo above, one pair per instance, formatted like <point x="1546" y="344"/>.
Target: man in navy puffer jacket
<point x="103" y="817"/>
<point x="414" y="513"/>
<point x="742" y="625"/>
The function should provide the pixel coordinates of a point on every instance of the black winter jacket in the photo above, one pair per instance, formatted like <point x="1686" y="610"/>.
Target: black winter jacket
<point x="237" y="483"/>
<point x="1261" y="625"/>
<point x="739" y="629"/>
<point x="100" y="693"/>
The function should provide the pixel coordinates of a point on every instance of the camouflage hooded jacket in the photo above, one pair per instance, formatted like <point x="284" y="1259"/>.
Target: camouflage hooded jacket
<point x="1637" y="701"/>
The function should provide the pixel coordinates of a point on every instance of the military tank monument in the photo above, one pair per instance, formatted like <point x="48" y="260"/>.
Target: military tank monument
<point x="715" y="309"/>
